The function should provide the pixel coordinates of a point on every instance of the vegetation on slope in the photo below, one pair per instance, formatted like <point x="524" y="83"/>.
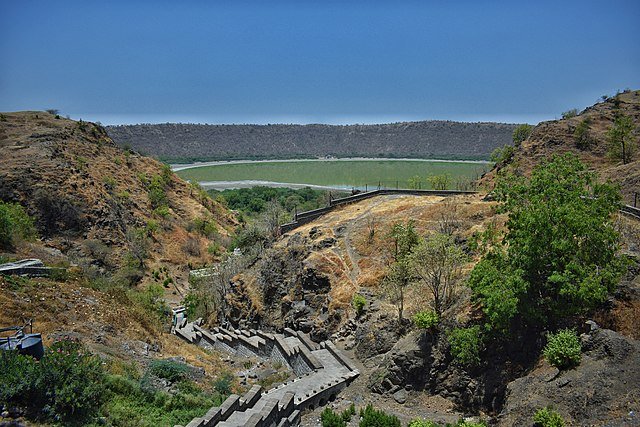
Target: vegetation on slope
<point x="427" y="139"/>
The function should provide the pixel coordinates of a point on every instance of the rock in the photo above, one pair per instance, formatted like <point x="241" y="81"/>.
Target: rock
<point x="400" y="396"/>
<point x="593" y="393"/>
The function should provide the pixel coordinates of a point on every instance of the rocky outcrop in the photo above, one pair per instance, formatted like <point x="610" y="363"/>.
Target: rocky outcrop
<point x="422" y="361"/>
<point x="293" y="294"/>
<point x="603" y="389"/>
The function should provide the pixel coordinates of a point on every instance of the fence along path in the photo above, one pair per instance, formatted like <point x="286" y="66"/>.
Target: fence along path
<point x="302" y="218"/>
<point x="321" y="370"/>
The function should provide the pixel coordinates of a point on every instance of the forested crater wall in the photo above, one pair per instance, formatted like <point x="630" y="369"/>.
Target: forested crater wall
<point x="424" y="139"/>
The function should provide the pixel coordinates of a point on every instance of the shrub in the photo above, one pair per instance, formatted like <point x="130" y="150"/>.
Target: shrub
<point x="328" y="418"/>
<point x="548" y="417"/>
<point x="214" y="248"/>
<point x="223" y="384"/>
<point x="502" y="155"/>
<point x="151" y="300"/>
<point x="375" y="418"/>
<point x="15" y="224"/>
<point x="563" y="349"/>
<point x="582" y="135"/>
<point x="520" y="133"/>
<point x="109" y="183"/>
<point x="439" y="182"/>
<point x="358" y="302"/>
<point x="466" y="345"/>
<point x="423" y="423"/>
<point x="205" y="226"/>
<point x="426" y="319"/>
<point x="570" y="113"/>
<point x="66" y="385"/>
<point x="169" y="369"/>
<point x="559" y="255"/>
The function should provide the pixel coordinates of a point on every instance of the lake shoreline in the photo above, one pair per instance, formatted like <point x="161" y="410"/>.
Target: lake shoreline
<point x="180" y="166"/>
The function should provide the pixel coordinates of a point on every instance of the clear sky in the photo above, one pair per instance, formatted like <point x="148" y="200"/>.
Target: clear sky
<point x="324" y="61"/>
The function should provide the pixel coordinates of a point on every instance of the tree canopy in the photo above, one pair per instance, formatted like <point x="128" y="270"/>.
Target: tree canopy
<point x="559" y="255"/>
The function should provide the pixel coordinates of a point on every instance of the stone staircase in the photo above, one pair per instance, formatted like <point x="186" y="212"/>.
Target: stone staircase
<point x="321" y="370"/>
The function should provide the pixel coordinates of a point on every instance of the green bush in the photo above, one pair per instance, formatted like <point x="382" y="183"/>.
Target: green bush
<point x="570" y="113"/>
<point x="502" y="155"/>
<point x="520" y="133"/>
<point x="423" y="423"/>
<point x="223" y="384"/>
<point x="169" y="369"/>
<point x="466" y="344"/>
<point x="205" y="226"/>
<point x="15" y="224"/>
<point x="426" y="319"/>
<point x="560" y="253"/>
<point x="358" y="302"/>
<point x="66" y="385"/>
<point x="371" y="417"/>
<point x="563" y="349"/>
<point x="328" y="418"/>
<point x="582" y="135"/>
<point x="548" y="417"/>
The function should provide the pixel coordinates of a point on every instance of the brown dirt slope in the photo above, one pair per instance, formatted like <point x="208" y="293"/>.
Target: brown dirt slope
<point x="89" y="196"/>
<point x="557" y="136"/>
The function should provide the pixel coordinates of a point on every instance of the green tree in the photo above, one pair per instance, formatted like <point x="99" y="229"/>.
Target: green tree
<point x="520" y="133"/>
<point x="466" y="344"/>
<point x="414" y="183"/>
<point x="582" y="134"/>
<point x="570" y="113"/>
<point x="502" y="155"/>
<point x="560" y="252"/>
<point x="399" y="275"/>
<point x="437" y="261"/>
<point x="622" y="142"/>
<point x="15" y="224"/>
<point x="439" y="182"/>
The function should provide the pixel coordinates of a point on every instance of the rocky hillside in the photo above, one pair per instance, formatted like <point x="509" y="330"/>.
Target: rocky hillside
<point x="559" y="136"/>
<point x="104" y="208"/>
<point x="425" y="139"/>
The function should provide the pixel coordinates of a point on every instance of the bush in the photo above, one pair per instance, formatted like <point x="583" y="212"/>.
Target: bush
<point x="520" y="133"/>
<point x="66" y="385"/>
<point x="169" y="369"/>
<point x="15" y="224"/>
<point x="223" y="384"/>
<point x="502" y="155"/>
<point x="375" y="418"/>
<point x="358" y="302"/>
<point x="466" y="345"/>
<point x="328" y="418"/>
<point x="563" y="349"/>
<point x="570" y="113"/>
<point x="423" y="423"/>
<point x="582" y="135"/>
<point x="426" y="319"/>
<point x="547" y="417"/>
<point x="560" y="254"/>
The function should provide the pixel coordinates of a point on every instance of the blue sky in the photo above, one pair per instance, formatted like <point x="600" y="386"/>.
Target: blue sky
<point x="315" y="61"/>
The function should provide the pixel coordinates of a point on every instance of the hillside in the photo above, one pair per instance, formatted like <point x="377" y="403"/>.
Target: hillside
<point x="103" y="208"/>
<point x="557" y="136"/>
<point x="424" y="139"/>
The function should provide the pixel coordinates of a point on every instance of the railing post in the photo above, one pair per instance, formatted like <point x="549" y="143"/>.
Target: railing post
<point x="635" y="199"/>
<point x="365" y="188"/>
<point x="396" y="185"/>
<point x="295" y="213"/>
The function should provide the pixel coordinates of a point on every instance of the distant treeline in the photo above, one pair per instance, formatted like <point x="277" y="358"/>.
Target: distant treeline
<point x="175" y="142"/>
<point x="253" y="200"/>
